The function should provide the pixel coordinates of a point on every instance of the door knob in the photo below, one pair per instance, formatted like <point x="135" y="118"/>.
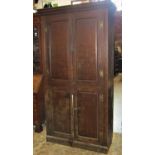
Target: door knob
<point x="101" y="73"/>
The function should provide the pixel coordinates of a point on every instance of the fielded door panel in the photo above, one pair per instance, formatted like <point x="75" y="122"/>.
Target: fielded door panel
<point x="60" y="113"/>
<point x="86" y="116"/>
<point x="59" y="43"/>
<point x="86" y="48"/>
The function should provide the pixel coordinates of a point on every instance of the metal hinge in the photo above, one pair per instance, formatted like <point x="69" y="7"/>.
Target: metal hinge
<point x="101" y="98"/>
<point x="100" y="24"/>
<point x="45" y="29"/>
<point x="101" y="73"/>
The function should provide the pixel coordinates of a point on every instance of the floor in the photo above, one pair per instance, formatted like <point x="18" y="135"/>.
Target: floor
<point x="41" y="147"/>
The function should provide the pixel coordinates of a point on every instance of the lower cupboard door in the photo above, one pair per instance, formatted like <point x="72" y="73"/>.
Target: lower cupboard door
<point x="86" y="117"/>
<point x="59" y="114"/>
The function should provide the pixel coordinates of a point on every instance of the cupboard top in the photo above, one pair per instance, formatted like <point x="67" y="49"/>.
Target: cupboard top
<point x="75" y="8"/>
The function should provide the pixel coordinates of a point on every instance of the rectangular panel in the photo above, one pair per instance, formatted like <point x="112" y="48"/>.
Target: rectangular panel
<point x="61" y="111"/>
<point x="86" y="48"/>
<point x="59" y="46"/>
<point x="87" y="114"/>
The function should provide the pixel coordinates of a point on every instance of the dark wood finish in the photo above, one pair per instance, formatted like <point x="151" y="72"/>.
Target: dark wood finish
<point x="78" y="49"/>
<point x="86" y="47"/>
<point x="61" y="112"/>
<point x="87" y="114"/>
<point x="60" y="66"/>
<point x="86" y="65"/>
<point x="38" y="102"/>
<point x="118" y="28"/>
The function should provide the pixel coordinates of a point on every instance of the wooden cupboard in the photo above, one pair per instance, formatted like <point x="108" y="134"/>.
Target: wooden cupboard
<point x="78" y="46"/>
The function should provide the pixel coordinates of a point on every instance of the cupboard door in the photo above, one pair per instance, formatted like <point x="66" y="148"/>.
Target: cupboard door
<point x="59" y="36"/>
<point x="59" y="114"/>
<point x="86" y="48"/>
<point x="87" y="63"/>
<point x="59" y="56"/>
<point x="87" y="116"/>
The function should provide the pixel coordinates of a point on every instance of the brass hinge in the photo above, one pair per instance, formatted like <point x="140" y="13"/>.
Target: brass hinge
<point x="101" y="98"/>
<point x="100" y="24"/>
<point x="45" y="29"/>
<point x="101" y="73"/>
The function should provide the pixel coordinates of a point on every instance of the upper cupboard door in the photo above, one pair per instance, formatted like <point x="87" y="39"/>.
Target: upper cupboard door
<point x="86" y="45"/>
<point x="59" y="35"/>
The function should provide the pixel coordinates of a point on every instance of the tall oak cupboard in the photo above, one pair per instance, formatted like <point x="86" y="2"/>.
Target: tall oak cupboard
<point x="78" y="45"/>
